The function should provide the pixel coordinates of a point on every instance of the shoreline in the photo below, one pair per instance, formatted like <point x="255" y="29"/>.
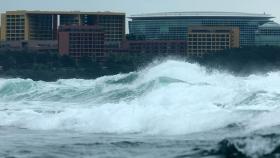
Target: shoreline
<point x="51" y="67"/>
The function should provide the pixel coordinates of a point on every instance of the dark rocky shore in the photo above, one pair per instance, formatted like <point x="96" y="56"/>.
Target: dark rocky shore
<point x="51" y="66"/>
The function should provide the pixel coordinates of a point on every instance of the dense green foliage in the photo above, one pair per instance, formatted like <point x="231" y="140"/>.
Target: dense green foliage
<point x="51" y="66"/>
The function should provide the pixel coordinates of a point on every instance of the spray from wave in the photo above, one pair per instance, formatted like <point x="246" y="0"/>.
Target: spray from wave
<point x="170" y="98"/>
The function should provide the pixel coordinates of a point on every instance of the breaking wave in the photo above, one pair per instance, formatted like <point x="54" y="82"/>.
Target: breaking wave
<point x="170" y="98"/>
<point x="251" y="146"/>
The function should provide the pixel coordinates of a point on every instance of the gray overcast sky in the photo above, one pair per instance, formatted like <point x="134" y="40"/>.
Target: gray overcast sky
<point x="146" y="6"/>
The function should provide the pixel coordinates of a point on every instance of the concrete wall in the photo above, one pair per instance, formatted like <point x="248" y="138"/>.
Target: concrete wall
<point x="63" y="43"/>
<point x="3" y="27"/>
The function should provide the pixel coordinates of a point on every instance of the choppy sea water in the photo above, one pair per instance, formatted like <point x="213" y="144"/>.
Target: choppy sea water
<point x="169" y="110"/>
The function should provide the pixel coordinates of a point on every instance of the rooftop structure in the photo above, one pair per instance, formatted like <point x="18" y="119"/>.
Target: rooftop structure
<point x="174" y="25"/>
<point x="270" y="25"/>
<point x="201" y="14"/>
<point x="268" y="34"/>
<point x="62" y="12"/>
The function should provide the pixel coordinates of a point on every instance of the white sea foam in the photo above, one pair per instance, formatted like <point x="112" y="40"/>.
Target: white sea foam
<point x="173" y="97"/>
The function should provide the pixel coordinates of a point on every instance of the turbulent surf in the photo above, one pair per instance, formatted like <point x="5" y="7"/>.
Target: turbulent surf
<point x="168" y="109"/>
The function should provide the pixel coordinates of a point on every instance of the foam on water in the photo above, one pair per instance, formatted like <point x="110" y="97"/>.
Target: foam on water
<point x="169" y="98"/>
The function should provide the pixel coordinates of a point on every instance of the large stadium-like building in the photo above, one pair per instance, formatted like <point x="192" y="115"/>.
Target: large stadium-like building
<point x="174" y="25"/>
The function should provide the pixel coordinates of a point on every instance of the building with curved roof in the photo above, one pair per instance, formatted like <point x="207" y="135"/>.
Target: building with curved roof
<point x="270" y="25"/>
<point x="174" y="25"/>
<point x="200" y="14"/>
<point x="268" y="34"/>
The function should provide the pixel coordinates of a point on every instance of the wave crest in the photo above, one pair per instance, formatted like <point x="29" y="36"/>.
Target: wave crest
<point x="172" y="97"/>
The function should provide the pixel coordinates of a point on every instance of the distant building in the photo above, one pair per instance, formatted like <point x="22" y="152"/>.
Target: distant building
<point x="268" y="34"/>
<point x="151" y="47"/>
<point x="42" y="46"/>
<point x="82" y="41"/>
<point x="174" y="25"/>
<point x="163" y="47"/>
<point x="11" y="46"/>
<point x="207" y="39"/>
<point x="43" y="25"/>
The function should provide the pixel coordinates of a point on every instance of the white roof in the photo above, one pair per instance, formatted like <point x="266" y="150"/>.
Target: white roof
<point x="201" y="14"/>
<point x="271" y="24"/>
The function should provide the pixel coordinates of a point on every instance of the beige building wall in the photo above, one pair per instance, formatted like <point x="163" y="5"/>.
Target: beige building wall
<point x="209" y="39"/>
<point x="235" y="38"/>
<point x="26" y="27"/>
<point x="13" y="26"/>
<point x="3" y="27"/>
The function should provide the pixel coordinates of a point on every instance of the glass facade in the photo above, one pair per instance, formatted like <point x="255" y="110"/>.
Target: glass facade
<point x="268" y="34"/>
<point x="15" y="27"/>
<point x="41" y="27"/>
<point x="175" y="27"/>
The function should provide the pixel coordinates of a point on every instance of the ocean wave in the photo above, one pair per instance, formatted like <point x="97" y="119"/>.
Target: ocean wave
<point x="251" y="146"/>
<point x="169" y="98"/>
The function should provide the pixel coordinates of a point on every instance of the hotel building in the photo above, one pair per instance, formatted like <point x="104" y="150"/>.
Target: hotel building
<point x="82" y="41"/>
<point x="207" y="39"/>
<point x="43" y="25"/>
